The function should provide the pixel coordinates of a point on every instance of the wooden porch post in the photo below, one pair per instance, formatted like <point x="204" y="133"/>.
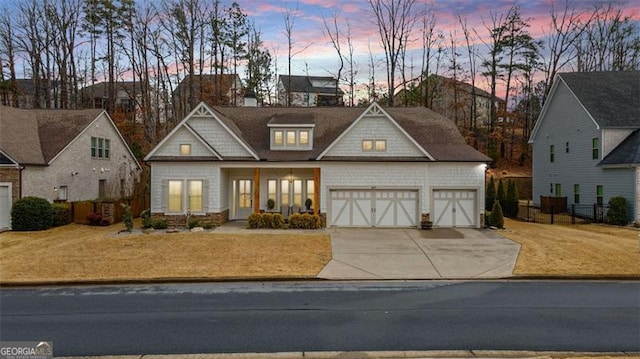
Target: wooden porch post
<point x="256" y="190"/>
<point x="316" y="191"/>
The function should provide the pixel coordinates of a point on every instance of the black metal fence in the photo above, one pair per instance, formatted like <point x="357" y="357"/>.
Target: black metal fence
<point x="574" y="214"/>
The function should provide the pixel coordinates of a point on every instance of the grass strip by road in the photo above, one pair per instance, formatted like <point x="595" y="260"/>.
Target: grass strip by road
<point x="588" y="250"/>
<point x="95" y="254"/>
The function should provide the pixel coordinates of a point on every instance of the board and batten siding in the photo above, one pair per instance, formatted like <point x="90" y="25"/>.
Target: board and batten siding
<point x="566" y="121"/>
<point x="219" y="138"/>
<point x="375" y="128"/>
<point x="164" y="171"/>
<point x="182" y="136"/>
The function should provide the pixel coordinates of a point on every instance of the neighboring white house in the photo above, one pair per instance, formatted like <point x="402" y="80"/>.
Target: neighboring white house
<point x="309" y="91"/>
<point x="62" y="155"/>
<point x="586" y="142"/>
<point x="360" y="167"/>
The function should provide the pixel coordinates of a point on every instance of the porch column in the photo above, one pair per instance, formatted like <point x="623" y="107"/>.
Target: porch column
<point x="316" y="191"/>
<point x="256" y="190"/>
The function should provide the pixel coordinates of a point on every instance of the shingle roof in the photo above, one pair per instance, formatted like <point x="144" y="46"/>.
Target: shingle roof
<point x="436" y="134"/>
<point x="612" y="98"/>
<point x="37" y="136"/>
<point x="626" y="153"/>
<point x="304" y="84"/>
<point x="100" y="89"/>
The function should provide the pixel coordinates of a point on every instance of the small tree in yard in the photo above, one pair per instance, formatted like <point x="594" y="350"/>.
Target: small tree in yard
<point x="490" y="197"/>
<point x="497" y="218"/>
<point x="617" y="213"/>
<point x="511" y="201"/>
<point x="127" y="217"/>
<point x="500" y="193"/>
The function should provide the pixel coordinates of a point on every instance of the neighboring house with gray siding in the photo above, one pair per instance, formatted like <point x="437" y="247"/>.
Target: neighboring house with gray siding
<point x="360" y="167"/>
<point x="586" y="142"/>
<point x="67" y="155"/>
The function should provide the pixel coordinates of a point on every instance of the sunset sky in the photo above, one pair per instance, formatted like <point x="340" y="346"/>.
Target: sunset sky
<point x="320" y="57"/>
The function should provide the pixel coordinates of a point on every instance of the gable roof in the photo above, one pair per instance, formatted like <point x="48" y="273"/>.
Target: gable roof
<point x="612" y="98"/>
<point x="438" y="136"/>
<point x="305" y="84"/>
<point x="36" y="137"/>
<point x="626" y="153"/>
<point x="206" y="84"/>
<point x="101" y="89"/>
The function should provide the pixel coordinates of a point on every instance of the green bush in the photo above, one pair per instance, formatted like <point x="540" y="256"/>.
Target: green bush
<point x="511" y="200"/>
<point x="61" y="214"/>
<point x="278" y="221"/>
<point x="271" y="204"/>
<point x="304" y="221"/>
<point x="255" y="221"/>
<point x="193" y="223"/>
<point x="267" y="220"/>
<point x="127" y="217"/>
<point x="497" y="218"/>
<point x="501" y="194"/>
<point x="617" y="213"/>
<point x="490" y="196"/>
<point x="31" y="214"/>
<point x="146" y="218"/>
<point x="160" y="223"/>
<point x="207" y="225"/>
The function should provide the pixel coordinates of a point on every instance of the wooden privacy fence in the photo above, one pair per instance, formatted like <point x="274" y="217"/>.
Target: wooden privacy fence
<point x="110" y="211"/>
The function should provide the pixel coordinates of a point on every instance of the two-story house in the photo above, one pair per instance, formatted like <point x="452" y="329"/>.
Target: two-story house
<point x="360" y="167"/>
<point x="214" y="90"/>
<point x="586" y="142"/>
<point x="68" y="155"/>
<point x="309" y="91"/>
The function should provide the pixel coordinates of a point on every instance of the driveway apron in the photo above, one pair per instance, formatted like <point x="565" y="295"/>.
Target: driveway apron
<point x="440" y="253"/>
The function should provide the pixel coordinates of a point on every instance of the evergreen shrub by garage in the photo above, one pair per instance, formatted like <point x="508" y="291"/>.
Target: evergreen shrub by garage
<point x="496" y="218"/>
<point x="304" y="221"/>
<point x="31" y="214"/>
<point x="617" y="213"/>
<point x="61" y="214"/>
<point x="265" y="220"/>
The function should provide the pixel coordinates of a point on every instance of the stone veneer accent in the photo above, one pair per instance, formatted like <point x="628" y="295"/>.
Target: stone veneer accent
<point x="180" y="220"/>
<point x="11" y="175"/>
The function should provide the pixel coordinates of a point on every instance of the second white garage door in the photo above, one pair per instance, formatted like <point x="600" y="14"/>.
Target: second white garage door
<point x="454" y="208"/>
<point x="374" y="208"/>
<point x="5" y="206"/>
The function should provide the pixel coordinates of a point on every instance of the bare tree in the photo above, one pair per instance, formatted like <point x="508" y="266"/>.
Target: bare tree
<point x="471" y="53"/>
<point x="290" y="17"/>
<point x="352" y="70"/>
<point x="8" y="52"/>
<point x="333" y="32"/>
<point x="395" y="20"/>
<point x="430" y="39"/>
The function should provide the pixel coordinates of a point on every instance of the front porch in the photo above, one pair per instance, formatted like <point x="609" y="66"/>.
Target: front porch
<point x="284" y="190"/>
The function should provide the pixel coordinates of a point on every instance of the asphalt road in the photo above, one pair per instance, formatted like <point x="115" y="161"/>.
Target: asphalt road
<point x="319" y="316"/>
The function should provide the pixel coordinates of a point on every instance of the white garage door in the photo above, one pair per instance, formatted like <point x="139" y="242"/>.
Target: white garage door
<point x="374" y="208"/>
<point x="5" y="206"/>
<point x="454" y="208"/>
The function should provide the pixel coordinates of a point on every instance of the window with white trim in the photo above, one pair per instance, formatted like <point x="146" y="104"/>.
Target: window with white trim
<point x="100" y="148"/>
<point x="374" y="145"/>
<point x="185" y="195"/>
<point x="195" y="196"/>
<point x="185" y="149"/>
<point x="175" y="196"/>
<point x="293" y="139"/>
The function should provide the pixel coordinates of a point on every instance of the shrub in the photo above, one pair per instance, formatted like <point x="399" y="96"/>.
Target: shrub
<point x="496" y="218"/>
<point x="255" y="221"/>
<point x="207" y="225"/>
<point x="511" y="200"/>
<point x="304" y="221"/>
<point x="94" y="218"/>
<point x="146" y="218"/>
<point x="61" y="214"/>
<point x="295" y="221"/>
<point x="271" y="204"/>
<point x="267" y="220"/>
<point x="31" y="214"/>
<point x="127" y="217"/>
<point x="193" y="223"/>
<point x="617" y="213"/>
<point x="490" y="196"/>
<point x="500" y="193"/>
<point x="278" y="221"/>
<point x="308" y="203"/>
<point x="160" y="223"/>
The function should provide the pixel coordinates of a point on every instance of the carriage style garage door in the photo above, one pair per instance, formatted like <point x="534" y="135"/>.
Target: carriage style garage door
<point x="5" y="206"/>
<point x="454" y="208"/>
<point x="374" y="208"/>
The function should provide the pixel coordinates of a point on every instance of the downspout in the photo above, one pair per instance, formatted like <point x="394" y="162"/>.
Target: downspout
<point x="20" y="168"/>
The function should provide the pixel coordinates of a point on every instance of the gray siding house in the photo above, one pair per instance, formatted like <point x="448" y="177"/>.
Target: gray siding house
<point x="586" y="142"/>
<point x="360" y="167"/>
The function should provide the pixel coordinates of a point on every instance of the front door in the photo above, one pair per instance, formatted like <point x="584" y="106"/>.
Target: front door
<point x="243" y="198"/>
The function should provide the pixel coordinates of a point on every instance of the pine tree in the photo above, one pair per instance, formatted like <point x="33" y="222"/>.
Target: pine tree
<point x="497" y="218"/>
<point x="511" y="202"/>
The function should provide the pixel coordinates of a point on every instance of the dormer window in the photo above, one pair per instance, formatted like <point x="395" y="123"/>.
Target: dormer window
<point x="374" y="145"/>
<point x="291" y="136"/>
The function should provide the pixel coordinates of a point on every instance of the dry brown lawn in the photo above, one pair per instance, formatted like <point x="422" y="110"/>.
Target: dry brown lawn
<point x="574" y="250"/>
<point x="85" y="253"/>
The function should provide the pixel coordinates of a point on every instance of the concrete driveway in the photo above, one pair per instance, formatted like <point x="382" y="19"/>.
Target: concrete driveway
<point x="366" y="253"/>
